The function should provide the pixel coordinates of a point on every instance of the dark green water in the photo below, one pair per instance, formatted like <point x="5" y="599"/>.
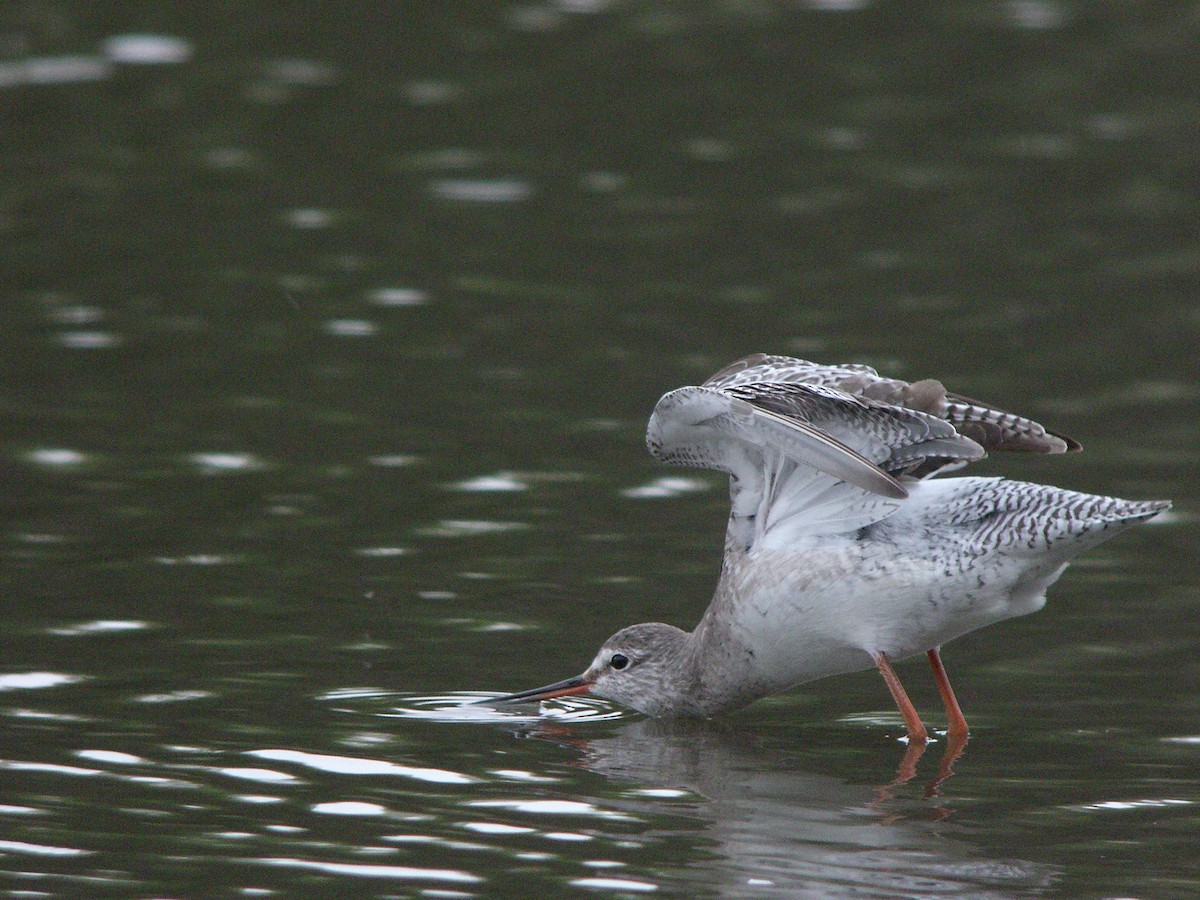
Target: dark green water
<point x="327" y="341"/>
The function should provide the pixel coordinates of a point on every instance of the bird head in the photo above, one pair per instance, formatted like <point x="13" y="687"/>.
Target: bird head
<point x="642" y="667"/>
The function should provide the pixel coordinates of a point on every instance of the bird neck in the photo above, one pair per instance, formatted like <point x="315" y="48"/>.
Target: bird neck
<point x="715" y="670"/>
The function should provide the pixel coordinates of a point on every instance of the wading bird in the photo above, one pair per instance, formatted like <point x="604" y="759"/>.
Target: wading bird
<point x="843" y="551"/>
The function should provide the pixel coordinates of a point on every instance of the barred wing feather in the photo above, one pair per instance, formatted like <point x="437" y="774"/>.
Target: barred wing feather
<point x="989" y="426"/>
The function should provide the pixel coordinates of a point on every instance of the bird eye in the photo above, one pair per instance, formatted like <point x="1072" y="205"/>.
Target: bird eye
<point x="619" y="661"/>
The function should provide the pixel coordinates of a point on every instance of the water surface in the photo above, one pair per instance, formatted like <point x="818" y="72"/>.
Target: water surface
<point x="328" y="344"/>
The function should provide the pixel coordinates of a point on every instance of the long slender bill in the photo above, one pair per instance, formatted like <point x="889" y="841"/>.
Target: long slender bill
<point x="576" y="685"/>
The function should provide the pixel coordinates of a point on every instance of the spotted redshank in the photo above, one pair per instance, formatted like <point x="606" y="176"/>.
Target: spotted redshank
<point x="842" y="550"/>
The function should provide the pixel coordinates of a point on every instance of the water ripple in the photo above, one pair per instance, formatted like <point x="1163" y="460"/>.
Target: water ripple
<point x="624" y="885"/>
<point x="40" y="849"/>
<point x="99" y="626"/>
<point x="353" y="765"/>
<point x="468" y="706"/>
<point x="266" y="776"/>
<point x="110" y="756"/>
<point x="148" y="49"/>
<point x="552" y="808"/>
<point x="455" y="528"/>
<point x="350" y="808"/>
<point x="666" y="486"/>
<point x="14" y="765"/>
<point x="372" y="871"/>
<point x="30" y="681"/>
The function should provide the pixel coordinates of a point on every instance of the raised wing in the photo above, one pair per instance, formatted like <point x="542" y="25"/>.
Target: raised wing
<point x="990" y="427"/>
<point x="813" y="457"/>
<point x="697" y="426"/>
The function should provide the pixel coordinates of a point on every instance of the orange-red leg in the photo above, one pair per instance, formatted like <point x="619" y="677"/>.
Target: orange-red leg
<point x="916" y="729"/>
<point x="956" y="729"/>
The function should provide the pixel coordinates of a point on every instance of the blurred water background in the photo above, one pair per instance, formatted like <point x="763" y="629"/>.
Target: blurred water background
<point x="328" y="334"/>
